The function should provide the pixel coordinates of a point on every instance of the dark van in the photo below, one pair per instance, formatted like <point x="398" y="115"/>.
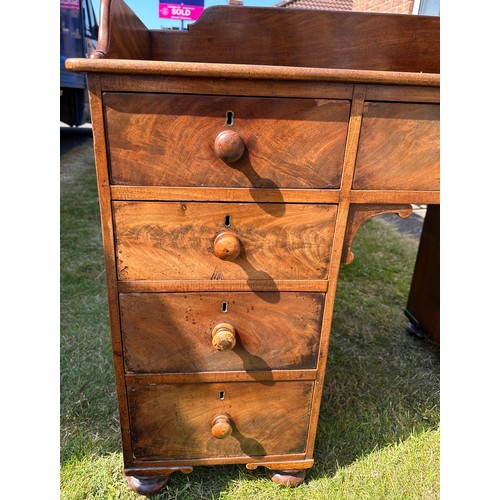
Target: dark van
<point x="79" y="29"/>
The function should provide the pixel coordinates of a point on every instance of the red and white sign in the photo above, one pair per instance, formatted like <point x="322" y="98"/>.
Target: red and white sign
<point x="180" y="11"/>
<point x="70" y="4"/>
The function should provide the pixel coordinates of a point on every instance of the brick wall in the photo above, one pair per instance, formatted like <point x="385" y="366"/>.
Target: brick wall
<point x="390" y="6"/>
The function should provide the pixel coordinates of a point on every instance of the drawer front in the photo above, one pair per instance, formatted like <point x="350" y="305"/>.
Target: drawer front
<point x="172" y="332"/>
<point x="169" y="140"/>
<point x="177" y="241"/>
<point x="399" y="147"/>
<point x="169" y="421"/>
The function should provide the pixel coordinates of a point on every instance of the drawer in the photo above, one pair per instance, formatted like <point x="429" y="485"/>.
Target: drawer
<point x="178" y="241"/>
<point x="169" y="421"/>
<point x="399" y="147"/>
<point x="169" y="140"/>
<point x="172" y="332"/>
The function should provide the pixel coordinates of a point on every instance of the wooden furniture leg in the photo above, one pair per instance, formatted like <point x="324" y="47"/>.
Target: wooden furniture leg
<point x="422" y="308"/>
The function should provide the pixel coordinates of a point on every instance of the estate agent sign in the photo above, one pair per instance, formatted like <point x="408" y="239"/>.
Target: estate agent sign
<point x="189" y="11"/>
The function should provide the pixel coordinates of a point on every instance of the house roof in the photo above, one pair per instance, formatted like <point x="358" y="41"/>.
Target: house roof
<point x="316" y="4"/>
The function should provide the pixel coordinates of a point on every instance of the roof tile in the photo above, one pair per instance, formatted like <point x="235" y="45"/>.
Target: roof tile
<point x="316" y="4"/>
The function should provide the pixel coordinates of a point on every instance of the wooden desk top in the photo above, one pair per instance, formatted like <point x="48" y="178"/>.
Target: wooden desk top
<point x="255" y="43"/>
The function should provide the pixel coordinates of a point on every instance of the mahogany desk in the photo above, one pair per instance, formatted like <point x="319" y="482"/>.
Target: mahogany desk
<point x="235" y="163"/>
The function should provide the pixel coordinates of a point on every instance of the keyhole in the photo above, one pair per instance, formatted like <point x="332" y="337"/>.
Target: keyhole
<point x="224" y="307"/>
<point x="222" y="395"/>
<point x="229" y="118"/>
<point x="227" y="220"/>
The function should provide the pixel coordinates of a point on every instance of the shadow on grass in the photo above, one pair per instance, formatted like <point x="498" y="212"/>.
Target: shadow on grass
<point x="381" y="385"/>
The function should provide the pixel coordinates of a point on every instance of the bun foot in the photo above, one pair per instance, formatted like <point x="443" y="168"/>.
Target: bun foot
<point x="289" y="478"/>
<point x="147" y="485"/>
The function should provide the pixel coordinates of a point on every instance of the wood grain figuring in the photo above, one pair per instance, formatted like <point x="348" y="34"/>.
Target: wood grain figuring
<point x="174" y="420"/>
<point x="169" y="140"/>
<point x="320" y="39"/>
<point x="409" y="44"/>
<point x="172" y="241"/>
<point x="398" y="147"/>
<point x="329" y="133"/>
<point x="172" y="332"/>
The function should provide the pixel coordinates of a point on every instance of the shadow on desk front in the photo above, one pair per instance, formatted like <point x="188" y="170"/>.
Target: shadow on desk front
<point x="381" y="386"/>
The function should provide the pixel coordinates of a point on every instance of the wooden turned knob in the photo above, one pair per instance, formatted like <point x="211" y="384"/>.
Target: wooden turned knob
<point x="224" y="337"/>
<point x="227" y="246"/>
<point x="229" y="146"/>
<point x="221" y="426"/>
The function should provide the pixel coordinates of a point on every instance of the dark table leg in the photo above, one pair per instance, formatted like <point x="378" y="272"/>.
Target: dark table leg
<point x="422" y="308"/>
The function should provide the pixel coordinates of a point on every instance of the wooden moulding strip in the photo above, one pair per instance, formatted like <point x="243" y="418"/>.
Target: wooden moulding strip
<point x="101" y="160"/>
<point x="157" y="193"/>
<point x="149" y="286"/>
<point x="402" y="93"/>
<point x="282" y="464"/>
<point x="217" y="377"/>
<point x="244" y="195"/>
<point x="156" y="467"/>
<point x="250" y="71"/>
<point x="415" y="197"/>
<point x="353" y="134"/>
<point x="226" y="86"/>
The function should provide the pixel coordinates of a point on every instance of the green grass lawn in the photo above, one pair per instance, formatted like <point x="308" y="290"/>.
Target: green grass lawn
<point x="378" y="433"/>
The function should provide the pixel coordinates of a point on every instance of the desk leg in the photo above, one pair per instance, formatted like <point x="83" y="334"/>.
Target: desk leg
<point x="422" y="308"/>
